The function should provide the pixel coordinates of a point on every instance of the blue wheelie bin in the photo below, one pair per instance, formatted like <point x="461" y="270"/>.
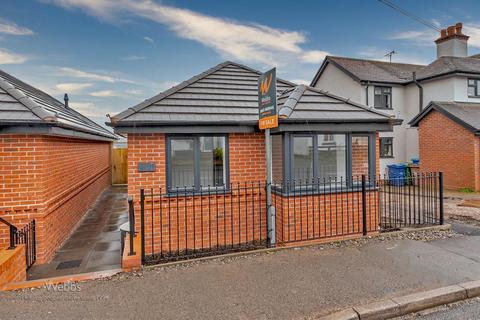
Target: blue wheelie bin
<point x="396" y="174"/>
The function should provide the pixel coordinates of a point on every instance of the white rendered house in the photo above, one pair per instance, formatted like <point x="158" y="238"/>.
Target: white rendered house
<point x="405" y="89"/>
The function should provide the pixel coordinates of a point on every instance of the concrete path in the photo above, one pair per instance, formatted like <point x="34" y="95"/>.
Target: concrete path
<point x="95" y="244"/>
<point x="289" y="284"/>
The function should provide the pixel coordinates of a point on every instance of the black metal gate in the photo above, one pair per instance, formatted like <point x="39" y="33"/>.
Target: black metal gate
<point x="415" y="200"/>
<point x="26" y="236"/>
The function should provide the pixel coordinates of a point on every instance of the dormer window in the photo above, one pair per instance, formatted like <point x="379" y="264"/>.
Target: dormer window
<point x="474" y="88"/>
<point x="383" y="97"/>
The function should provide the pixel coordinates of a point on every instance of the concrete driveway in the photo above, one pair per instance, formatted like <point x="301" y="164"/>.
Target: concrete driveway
<point x="289" y="284"/>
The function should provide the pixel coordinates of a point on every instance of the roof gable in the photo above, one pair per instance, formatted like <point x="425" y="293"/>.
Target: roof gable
<point x="467" y="114"/>
<point x="22" y="104"/>
<point x="371" y="70"/>
<point x="226" y="93"/>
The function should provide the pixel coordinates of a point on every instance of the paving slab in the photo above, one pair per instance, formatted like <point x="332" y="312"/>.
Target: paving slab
<point x="95" y="242"/>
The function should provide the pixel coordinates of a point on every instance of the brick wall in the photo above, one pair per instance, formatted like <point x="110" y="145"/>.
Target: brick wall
<point x="329" y="215"/>
<point x="53" y="180"/>
<point x="194" y="222"/>
<point x="448" y="147"/>
<point x="12" y="265"/>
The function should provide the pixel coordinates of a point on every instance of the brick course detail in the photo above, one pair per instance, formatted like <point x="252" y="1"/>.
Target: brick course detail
<point x="53" y="180"/>
<point x="448" y="147"/>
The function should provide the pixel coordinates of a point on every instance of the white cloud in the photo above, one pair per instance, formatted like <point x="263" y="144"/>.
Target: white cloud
<point x="301" y="81"/>
<point x="75" y="73"/>
<point x="10" y="28"/>
<point x="105" y="93"/>
<point x="473" y="30"/>
<point x="133" y="91"/>
<point x="72" y="87"/>
<point x="8" y="57"/>
<point x="133" y="58"/>
<point x="148" y="39"/>
<point x="426" y="37"/>
<point x="244" y="41"/>
<point x="88" y="109"/>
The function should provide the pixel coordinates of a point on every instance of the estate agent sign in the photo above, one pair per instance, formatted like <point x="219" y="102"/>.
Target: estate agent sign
<point x="267" y="100"/>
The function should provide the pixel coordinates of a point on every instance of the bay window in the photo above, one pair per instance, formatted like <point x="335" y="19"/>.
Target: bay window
<point x="328" y="157"/>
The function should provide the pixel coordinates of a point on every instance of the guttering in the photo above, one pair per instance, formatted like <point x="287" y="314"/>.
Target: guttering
<point x="420" y="91"/>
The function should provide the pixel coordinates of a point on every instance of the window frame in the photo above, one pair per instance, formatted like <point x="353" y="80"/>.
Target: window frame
<point x="476" y="87"/>
<point x="289" y="156"/>
<point x="382" y="143"/>
<point x="196" y="163"/>
<point x="382" y="88"/>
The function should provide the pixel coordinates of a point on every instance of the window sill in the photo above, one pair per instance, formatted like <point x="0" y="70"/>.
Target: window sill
<point x="383" y="108"/>
<point x="387" y="157"/>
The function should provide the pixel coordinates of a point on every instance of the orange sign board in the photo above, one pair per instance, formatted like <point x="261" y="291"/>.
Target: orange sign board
<point x="268" y="122"/>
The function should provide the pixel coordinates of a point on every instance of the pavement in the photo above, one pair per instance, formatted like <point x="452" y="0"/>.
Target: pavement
<point x="302" y="283"/>
<point x="465" y="310"/>
<point x="95" y="244"/>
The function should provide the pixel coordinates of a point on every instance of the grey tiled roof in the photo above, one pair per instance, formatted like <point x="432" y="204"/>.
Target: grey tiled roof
<point x="374" y="71"/>
<point x="304" y="103"/>
<point x="21" y="104"/>
<point x="444" y="65"/>
<point x="226" y="93"/>
<point x="466" y="114"/>
<point x="400" y="73"/>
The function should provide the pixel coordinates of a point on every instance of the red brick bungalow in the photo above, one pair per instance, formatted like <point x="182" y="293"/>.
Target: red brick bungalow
<point x="449" y="141"/>
<point x="203" y="134"/>
<point x="54" y="162"/>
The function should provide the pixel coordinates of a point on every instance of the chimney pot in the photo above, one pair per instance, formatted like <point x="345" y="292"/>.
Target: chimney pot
<point x="451" y="30"/>
<point x="458" y="28"/>
<point x="443" y="33"/>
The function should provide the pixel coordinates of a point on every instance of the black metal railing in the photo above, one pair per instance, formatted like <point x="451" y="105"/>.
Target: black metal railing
<point x="312" y="209"/>
<point x="410" y="201"/>
<point x="26" y="236"/>
<point x="185" y="224"/>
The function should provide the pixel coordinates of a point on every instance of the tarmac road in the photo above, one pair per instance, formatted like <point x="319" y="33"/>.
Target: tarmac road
<point x="288" y="284"/>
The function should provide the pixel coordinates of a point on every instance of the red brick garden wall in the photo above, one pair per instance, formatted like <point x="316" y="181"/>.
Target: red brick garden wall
<point x="53" y="180"/>
<point x="12" y="265"/>
<point x="448" y="147"/>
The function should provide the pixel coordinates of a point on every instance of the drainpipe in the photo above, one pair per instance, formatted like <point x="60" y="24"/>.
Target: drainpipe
<point x="366" y="92"/>
<point x="420" y="91"/>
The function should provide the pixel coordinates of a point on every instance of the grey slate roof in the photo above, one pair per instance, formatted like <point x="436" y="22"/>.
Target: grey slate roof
<point x="399" y="73"/>
<point x="446" y="65"/>
<point x="227" y="95"/>
<point x="23" y="105"/>
<point x="466" y="114"/>
<point x="371" y="70"/>
<point x="304" y="103"/>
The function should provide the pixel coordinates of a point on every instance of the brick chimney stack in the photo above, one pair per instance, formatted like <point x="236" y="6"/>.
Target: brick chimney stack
<point x="452" y="42"/>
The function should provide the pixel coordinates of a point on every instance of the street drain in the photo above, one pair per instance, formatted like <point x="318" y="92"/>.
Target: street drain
<point x="69" y="264"/>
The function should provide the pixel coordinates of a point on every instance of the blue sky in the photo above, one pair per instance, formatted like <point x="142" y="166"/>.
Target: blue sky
<point x="112" y="54"/>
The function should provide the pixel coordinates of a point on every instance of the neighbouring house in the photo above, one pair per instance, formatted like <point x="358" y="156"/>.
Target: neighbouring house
<point x="197" y="153"/>
<point x="54" y="163"/>
<point x="404" y="90"/>
<point x="449" y="134"/>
